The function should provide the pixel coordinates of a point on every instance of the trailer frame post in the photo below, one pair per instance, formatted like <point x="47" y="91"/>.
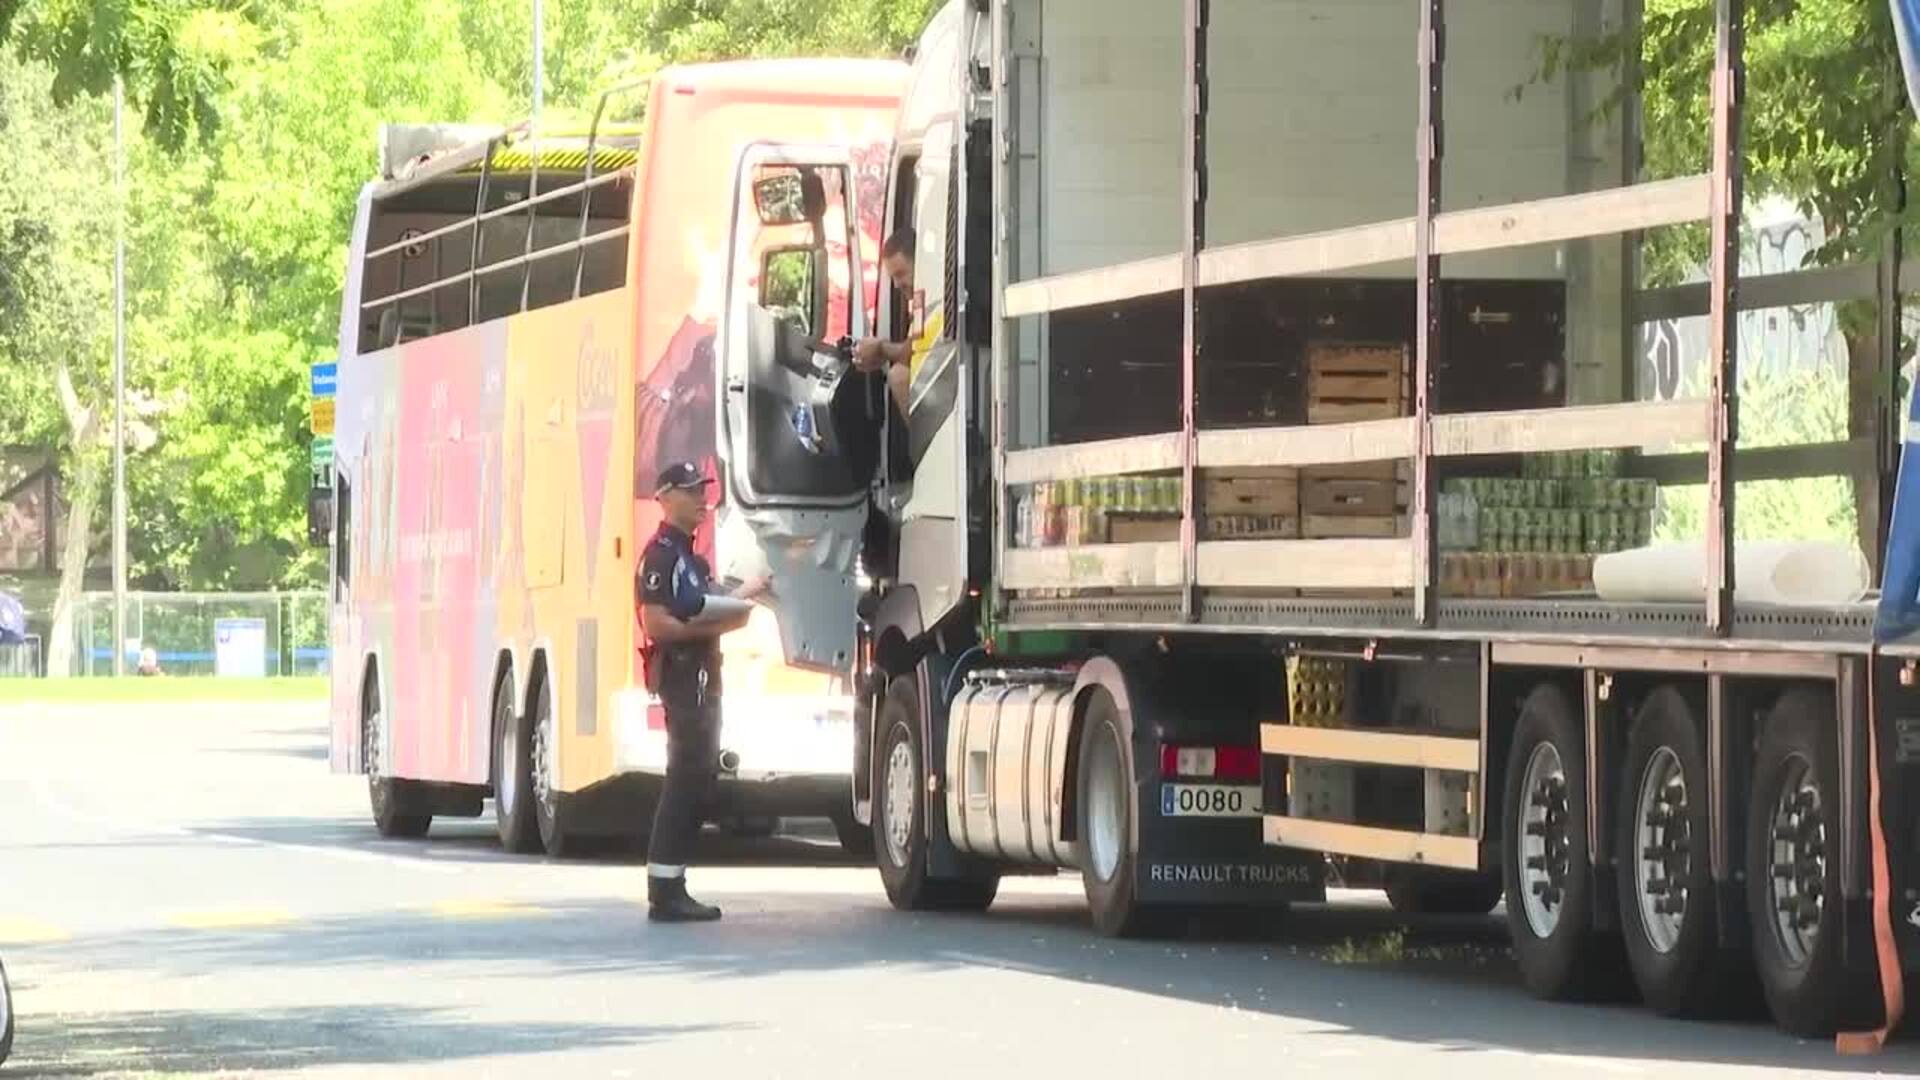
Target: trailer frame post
<point x="998" y="346"/>
<point x="1193" y="224"/>
<point x="1723" y="394"/>
<point x="1428" y="151"/>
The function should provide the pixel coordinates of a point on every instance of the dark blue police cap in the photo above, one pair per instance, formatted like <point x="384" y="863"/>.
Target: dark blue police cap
<point x="680" y="476"/>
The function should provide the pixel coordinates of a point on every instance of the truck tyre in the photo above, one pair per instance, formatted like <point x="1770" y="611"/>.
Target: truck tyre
<point x="396" y="803"/>
<point x="549" y="802"/>
<point x="855" y="839"/>
<point x="1793" y="873"/>
<point x="1423" y="890"/>
<point x="1668" y="911"/>
<point x="899" y="816"/>
<point x="513" y="811"/>
<point x="1107" y="809"/>
<point x="1549" y="879"/>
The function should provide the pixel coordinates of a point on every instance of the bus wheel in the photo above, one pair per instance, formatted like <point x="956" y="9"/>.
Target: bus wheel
<point x="899" y="823"/>
<point x="1667" y="902"/>
<point x="1107" y="812"/>
<point x="6" y="1016"/>
<point x="1549" y="878"/>
<point x="549" y="802"/>
<point x="513" y="800"/>
<point x="395" y="802"/>
<point x="1793" y="873"/>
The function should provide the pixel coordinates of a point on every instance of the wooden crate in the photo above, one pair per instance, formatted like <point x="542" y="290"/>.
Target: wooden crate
<point x="1353" y="498"/>
<point x="1267" y="491"/>
<point x="1142" y="529"/>
<point x="1251" y="527"/>
<point x="1353" y="526"/>
<point x="1353" y="381"/>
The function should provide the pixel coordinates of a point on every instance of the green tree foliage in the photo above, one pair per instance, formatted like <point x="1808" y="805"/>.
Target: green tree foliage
<point x="252" y="127"/>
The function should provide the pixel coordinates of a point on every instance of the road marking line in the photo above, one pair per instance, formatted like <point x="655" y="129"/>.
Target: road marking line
<point x="484" y="909"/>
<point x="232" y="919"/>
<point x="30" y="932"/>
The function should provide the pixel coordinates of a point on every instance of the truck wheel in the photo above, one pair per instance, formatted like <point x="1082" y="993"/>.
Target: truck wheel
<point x="1793" y="873"/>
<point x="1107" y="812"/>
<point x="899" y="817"/>
<point x="1667" y="899"/>
<point x="1549" y="880"/>
<point x="513" y="811"/>
<point x="855" y="839"/>
<point x="1422" y="890"/>
<point x="395" y="802"/>
<point x="549" y="802"/>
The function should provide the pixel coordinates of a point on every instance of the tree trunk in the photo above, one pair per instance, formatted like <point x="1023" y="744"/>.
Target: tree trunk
<point x="82" y="493"/>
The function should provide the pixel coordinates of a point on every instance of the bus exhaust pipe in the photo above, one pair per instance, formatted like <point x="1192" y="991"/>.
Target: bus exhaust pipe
<point x="729" y="761"/>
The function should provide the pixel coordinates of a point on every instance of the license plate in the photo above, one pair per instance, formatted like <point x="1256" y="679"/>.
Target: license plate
<point x="1209" y="800"/>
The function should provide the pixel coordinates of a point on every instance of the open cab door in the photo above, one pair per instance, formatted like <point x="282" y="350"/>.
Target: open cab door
<point x="794" y="442"/>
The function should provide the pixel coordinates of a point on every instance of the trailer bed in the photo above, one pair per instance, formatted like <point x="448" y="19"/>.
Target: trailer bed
<point x="1561" y="622"/>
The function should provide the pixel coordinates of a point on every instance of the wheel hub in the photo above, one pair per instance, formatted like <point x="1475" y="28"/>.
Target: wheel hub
<point x="509" y="764"/>
<point x="1545" y="844"/>
<point x="543" y="759"/>
<point x="1664" y="843"/>
<point x="899" y="806"/>
<point x="1107" y="809"/>
<point x="1797" y="870"/>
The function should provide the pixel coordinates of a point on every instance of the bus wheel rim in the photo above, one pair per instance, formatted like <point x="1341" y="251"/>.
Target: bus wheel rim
<point x="377" y="791"/>
<point x="1662" y="849"/>
<point x="1797" y="863"/>
<point x="900" y="770"/>
<point x="509" y="766"/>
<point x="542" y="752"/>
<point x="1107" y="806"/>
<point x="1545" y="843"/>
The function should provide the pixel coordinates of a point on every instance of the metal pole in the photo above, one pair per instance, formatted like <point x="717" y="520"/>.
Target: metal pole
<point x="1723" y="386"/>
<point x="539" y="57"/>
<point x="119" y="384"/>
<point x="1427" y="338"/>
<point x="1193" y="227"/>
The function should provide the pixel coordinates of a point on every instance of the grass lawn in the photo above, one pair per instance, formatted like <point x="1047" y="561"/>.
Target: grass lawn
<point x="133" y="690"/>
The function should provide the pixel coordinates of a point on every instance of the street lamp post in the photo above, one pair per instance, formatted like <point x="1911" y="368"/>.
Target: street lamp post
<point x="119" y="383"/>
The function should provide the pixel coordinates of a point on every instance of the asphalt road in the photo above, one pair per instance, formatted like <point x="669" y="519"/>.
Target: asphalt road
<point x="187" y="891"/>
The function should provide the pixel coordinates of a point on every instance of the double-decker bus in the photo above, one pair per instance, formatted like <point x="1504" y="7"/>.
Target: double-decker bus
<point x="534" y="323"/>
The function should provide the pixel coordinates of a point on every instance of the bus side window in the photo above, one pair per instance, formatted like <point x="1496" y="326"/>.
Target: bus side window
<point x="899" y="325"/>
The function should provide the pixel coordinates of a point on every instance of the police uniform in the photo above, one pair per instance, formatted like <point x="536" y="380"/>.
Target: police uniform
<point x="686" y="678"/>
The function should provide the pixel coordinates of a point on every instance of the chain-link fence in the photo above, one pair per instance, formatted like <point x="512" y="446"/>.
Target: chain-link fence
<point x="207" y="633"/>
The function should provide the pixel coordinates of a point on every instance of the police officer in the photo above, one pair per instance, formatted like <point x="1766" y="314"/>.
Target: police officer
<point x="683" y="670"/>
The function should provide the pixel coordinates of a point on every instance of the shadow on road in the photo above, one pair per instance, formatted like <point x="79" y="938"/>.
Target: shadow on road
<point x="1449" y="984"/>
<point x="802" y="843"/>
<point x="213" y="1041"/>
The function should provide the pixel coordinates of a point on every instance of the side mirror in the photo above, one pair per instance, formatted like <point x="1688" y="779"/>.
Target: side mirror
<point x="319" y="516"/>
<point x="780" y="199"/>
<point x="790" y="198"/>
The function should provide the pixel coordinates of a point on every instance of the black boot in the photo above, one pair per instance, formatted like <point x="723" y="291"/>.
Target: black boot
<point x="667" y="901"/>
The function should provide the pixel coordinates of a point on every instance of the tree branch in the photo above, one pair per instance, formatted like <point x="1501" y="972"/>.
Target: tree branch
<point x="79" y="417"/>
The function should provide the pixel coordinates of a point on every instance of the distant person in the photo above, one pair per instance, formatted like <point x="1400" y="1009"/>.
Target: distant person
<point x="683" y="669"/>
<point x="894" y="357"/>
<point x="149" y="664"/>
